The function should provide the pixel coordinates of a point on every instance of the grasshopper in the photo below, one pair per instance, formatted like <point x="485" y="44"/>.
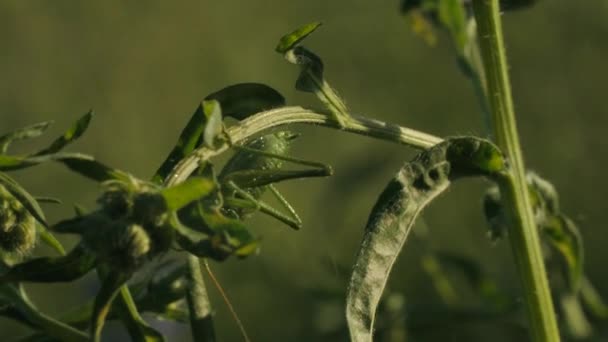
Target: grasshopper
<point x="252" y="171"/>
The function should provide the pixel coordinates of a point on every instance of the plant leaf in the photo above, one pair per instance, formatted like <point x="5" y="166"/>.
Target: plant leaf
<point x="46" y="199"/>
<point x="213" y="126"/>
<point x="73" y="133"/>
<point x="138" y="328"/>
<point x="50" y="270"/>
<point x="8" y="163"/>
<point x="30" y="204"/>
<point x="415" y="186"/>
<point x="559" y="230"/>
<point x="178" y="196"/>
<point x="27" y="132"/>
<point x="188" y="140"/>
<point x="241" y="100"/>
<point x="103" y="301"/>
<point x="237" y="101"/>
<point x="93" y="169"/>
<point x="311" y="76"/>
<point x="452" y="15"/>
<point x="292" y="39"/>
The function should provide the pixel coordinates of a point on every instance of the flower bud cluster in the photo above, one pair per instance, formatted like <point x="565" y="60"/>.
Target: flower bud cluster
<point x="135" y="224"/>
<point x="17" y="228"/>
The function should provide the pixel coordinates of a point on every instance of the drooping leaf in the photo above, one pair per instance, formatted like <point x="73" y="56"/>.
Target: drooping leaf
<point x="311" y="75"/>
<point x="52" y="269"/>
<point x="73" y="133"/>
<point x="575" y="320"/>
<point x="27" y="132"/>
<point x="415" y="186"/>
<point x="94" y="170"/>
<point x="592" y="300"/>
<point x="213" y="126"/>
<point x="241" y="100"/>
<point x="58" y="331"/>
<point x="559" y="230"/>
<point x="33" y="208"/>
<point x="453" y="16"/>
<point x="210" y="234"/>
<point x="178" y="196"/>
<point x="564" y="237"/>
<point x="138" y="328"/>
<point x="109" y="289"/>
<point x="292" y="39"/>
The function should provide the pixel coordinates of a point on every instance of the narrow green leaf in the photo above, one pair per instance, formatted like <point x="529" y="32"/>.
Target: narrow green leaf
<point x="565" y="238"/>
<point x="213" y="235"/>
<point x="415" y="186"/>
<point x="103" y="301"/>
<point x="24" y="197"/>
<point x="138" y="328"/>
<point x="453" y="16"/>
<point x="292" y="39"/>
<point x="27" y="132"/>
<point x="34" y="209"/>
<point x="73" y="133"/>
<point x="592" y="300"/>
<point x="560" y="231"/>
<point x="213" y="126"/>
<point x="241" y="100"/>
<point x="186" y="143"/>
<point x="237" y="101"/>
<point x="177" y="197"/>
<point x="311" y="76"/>
<point x="93" y="169"/>
<point x="47" y="237"/>
<point x="46" y="199"/>
<point x="8" y="163"/>
<point x="50" y="270"/>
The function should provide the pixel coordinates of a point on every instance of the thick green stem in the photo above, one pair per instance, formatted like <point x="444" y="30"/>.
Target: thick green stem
<point x="524" y="237"/>
<point x="201" y="319"/>
<point x="255" y="124"/>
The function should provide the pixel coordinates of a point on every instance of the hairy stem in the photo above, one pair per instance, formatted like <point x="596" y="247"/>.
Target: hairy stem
<point x="524" y="237"/>
<point x="201" y="319"/>
<point x="255" y="124"/>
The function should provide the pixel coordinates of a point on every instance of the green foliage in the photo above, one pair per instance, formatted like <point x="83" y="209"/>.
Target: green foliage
<point x="191" y="211"/>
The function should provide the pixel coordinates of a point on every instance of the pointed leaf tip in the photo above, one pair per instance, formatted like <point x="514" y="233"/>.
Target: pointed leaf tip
<point x="290" y="40"/>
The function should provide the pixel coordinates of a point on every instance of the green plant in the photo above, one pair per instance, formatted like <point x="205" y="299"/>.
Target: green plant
<point x="187" y="207"/>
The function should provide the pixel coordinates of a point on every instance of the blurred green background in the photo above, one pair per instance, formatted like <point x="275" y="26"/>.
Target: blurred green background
<point x="144" y="66"/>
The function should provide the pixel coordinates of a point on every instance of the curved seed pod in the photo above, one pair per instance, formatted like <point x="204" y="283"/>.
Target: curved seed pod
<point x="415" y="186"/>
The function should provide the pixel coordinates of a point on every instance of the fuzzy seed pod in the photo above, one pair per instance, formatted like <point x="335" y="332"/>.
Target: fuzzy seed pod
<point x="17" y="228"/>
